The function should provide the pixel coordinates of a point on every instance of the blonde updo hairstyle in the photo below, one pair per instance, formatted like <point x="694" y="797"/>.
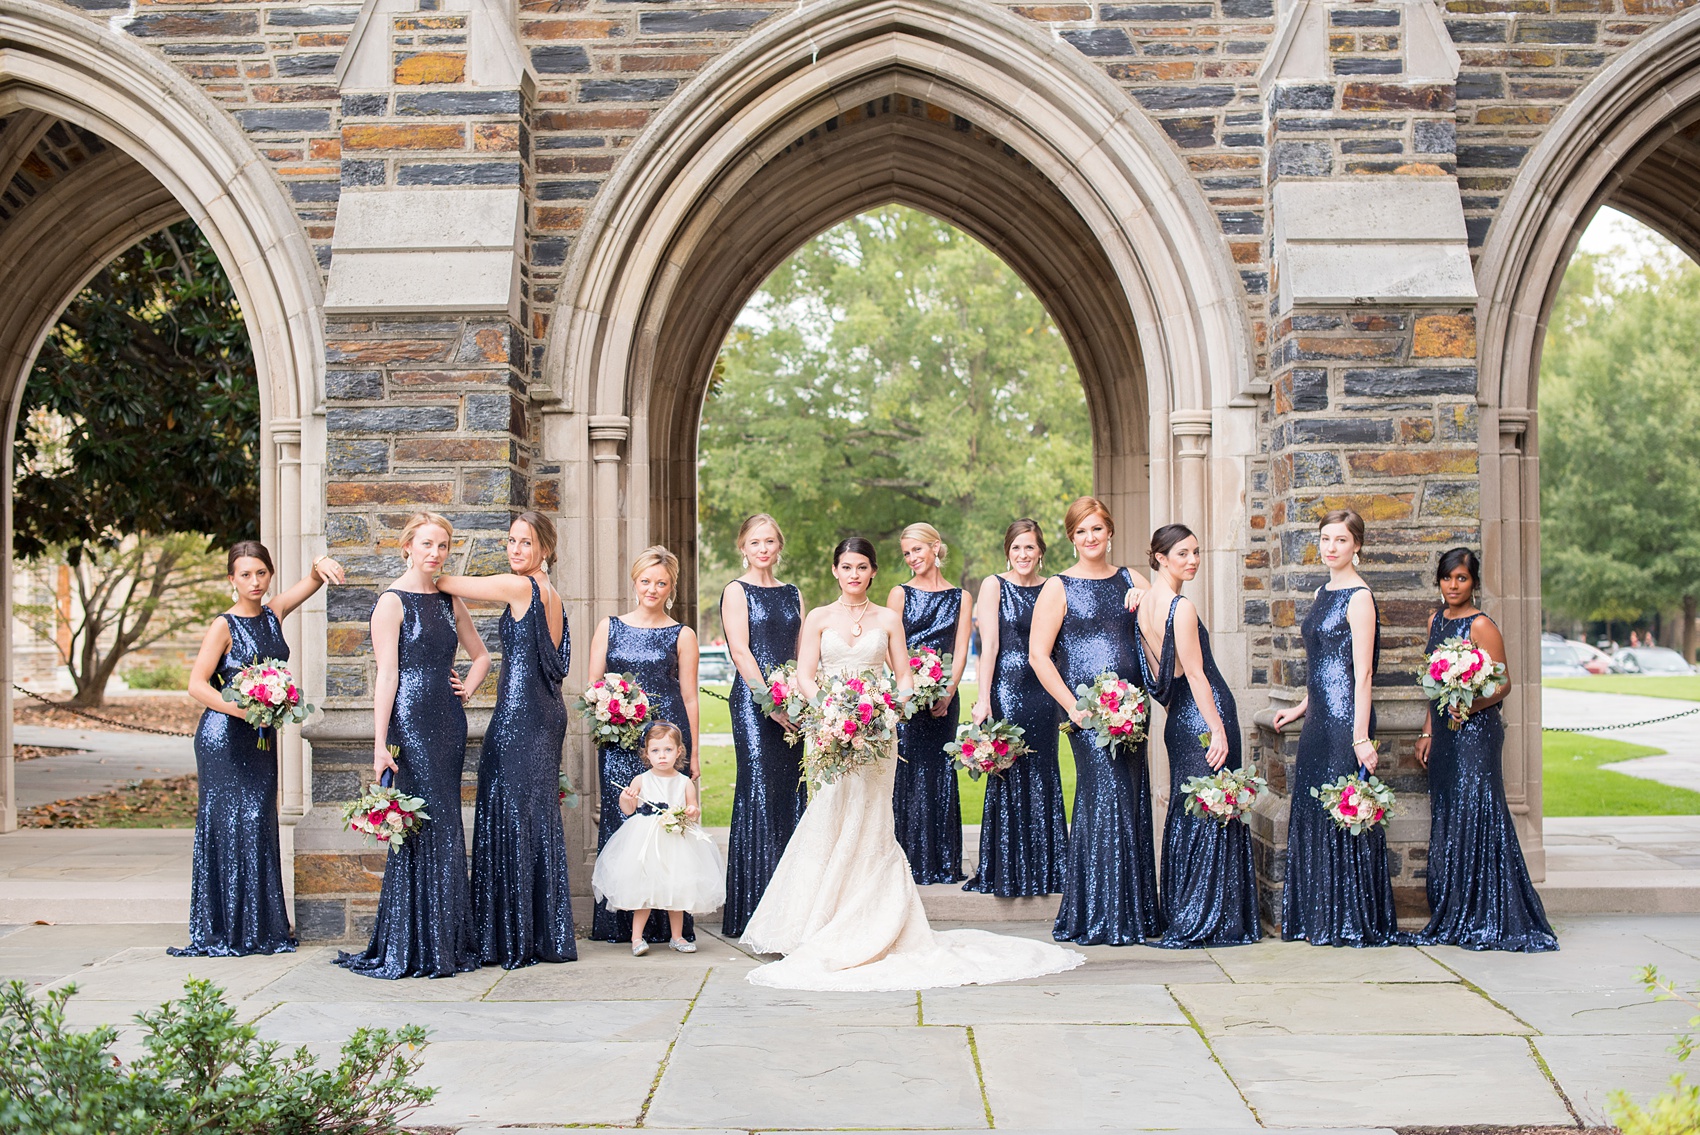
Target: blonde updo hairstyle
<point x="542" y="532"/>
<point x="751" y="525"/>
<point x="658" y="556"/>
<point x="928" y="535"/>
<point x="423" y="520"/>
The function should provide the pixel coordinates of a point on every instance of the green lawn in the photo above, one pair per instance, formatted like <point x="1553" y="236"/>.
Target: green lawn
<point x="719" y="766"/>
<point x="1684" y="686"/>
<point x="1573" y="784"/>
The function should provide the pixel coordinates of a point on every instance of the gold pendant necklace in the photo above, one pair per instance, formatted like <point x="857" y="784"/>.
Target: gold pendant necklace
<point x="856" y="628"/>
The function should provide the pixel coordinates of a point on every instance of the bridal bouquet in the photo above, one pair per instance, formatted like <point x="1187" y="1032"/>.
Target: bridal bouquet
<point x="1115" y="709"/>
<point x="852" y="722"/>
<point x="782" y="694"/>
<point x="1458" y="673"/>
<point x="986" y="749"/>
<point x="1225" y="795"/>
<point x="268" y="697"/>
<point x="929" y="674"/>
<point x="385" y="814"/>
<point x="1357" y="805"/>
<point x="618" y="710"/>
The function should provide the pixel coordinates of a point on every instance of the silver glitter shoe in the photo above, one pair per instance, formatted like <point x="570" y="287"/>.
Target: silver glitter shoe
<point x="683" y="946"/>
<point x="639" y="949"/>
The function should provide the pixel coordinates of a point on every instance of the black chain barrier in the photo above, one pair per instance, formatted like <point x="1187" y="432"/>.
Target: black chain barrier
<point x="96" y="717"/>
<point x="1615" y="728"/>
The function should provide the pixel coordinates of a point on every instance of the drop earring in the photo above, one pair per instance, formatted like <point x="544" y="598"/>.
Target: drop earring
<point x="1354" y="559"/>
<point x="746" y="561"/>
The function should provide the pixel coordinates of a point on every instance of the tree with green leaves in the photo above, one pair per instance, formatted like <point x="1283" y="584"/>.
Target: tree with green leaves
<point x="139" y="426"/>
<point x="892" y="370"/>
<point x="1620" y="467"/>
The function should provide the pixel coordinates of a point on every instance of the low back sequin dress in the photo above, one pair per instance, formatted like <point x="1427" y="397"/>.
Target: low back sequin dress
<point x="236" y="902"/>
<point x="521" y="903"/>
<point x="1023" y="830"/>
<point x="1479" y="893"/>
<point x="1337" y="891"/>
<point x="769" y="796"/>
<point x="925" y="801"/>
<point x="1110" y="880"/>
<point x="424" y="924"/>
<point x="1209" y="883"/>
<point x="651" y="654"/>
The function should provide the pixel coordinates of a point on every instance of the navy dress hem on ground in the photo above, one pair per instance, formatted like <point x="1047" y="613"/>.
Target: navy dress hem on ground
<point x="926" y="802"/>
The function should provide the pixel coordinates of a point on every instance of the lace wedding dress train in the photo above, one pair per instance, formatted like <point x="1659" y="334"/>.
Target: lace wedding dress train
<point x="843" y="907"/>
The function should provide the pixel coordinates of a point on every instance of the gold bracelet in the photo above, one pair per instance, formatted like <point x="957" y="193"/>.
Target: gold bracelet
<point x="1362" y="741"/>
<point x="1424" y="736"/>
<point x="319" y="561"/>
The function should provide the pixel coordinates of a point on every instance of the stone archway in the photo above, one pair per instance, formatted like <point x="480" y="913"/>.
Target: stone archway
<point x="1627" y="140"/>
<point x="122" y="145"/>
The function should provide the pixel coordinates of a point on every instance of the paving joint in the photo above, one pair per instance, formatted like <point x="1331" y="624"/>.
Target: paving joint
<point x="661" y="1070"/>
<point x="979" y="1076"/>
<point x="1211" y="1049"/>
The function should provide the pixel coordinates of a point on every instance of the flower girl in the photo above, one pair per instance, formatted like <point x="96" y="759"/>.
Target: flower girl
<point x="661" y="859"/>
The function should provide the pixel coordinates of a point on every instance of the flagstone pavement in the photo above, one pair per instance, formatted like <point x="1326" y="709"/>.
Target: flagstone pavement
<point x="1276" y="1035"/>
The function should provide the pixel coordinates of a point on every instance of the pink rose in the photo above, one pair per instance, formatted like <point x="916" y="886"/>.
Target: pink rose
<point x="641" y="712"/>
<point x="968" y="748"/>
<point x="936" y="672"/>
<point x="915" y="663"/>
<point x="849" y="728"/>
<point x="865" y="712"/>
<point x="1001" y="748"/>
<point x="856" y="684"/>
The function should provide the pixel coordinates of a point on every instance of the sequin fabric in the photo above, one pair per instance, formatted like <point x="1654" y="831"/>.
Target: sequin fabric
<point x="1336" y="891"/>
<point x="1209" y="884"/>
<point x="1110" y="878"/>
<point x="521" y="903"/>
<point x="424" y="924"/>
<point x="236" y="903"/>
<point x="769" y="796"/>
<point x="926" y="803"/>
<point x="652" y="655"/>
<point x="1023" y="832"/>
<point x="1479" y="891"/>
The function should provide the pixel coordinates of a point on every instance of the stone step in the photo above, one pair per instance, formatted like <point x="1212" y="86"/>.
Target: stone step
<point x="1621" y="892"/>
<point x="948" y="902"/>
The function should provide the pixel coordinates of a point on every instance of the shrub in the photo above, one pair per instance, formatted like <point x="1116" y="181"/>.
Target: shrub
<point x="1676" y="1112"/>
<point x="201" y="1072"/>
<point x="165" y="674"/>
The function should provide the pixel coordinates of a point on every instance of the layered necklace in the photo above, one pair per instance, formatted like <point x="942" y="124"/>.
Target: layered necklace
<point x="856" y="628"/>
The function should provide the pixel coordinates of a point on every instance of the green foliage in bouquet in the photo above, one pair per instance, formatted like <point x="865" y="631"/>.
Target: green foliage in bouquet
<point x="201" y="1072"/>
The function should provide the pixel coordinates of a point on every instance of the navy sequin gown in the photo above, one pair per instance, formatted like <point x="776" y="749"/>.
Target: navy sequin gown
<point x="1110" y="879"/>
<point x="521" y="905"/>
<point x="236" y="903"/>
<point x="1337" y="891"/>
<point x="424" y="925"/>
<point x="1479" y="891"/>
<point x="651" y="654"/>
<point x="769" y="796"/>
<point x="1023" y="833"/>
<point x="926" y="803"/>
<point x="1208" y="881"/>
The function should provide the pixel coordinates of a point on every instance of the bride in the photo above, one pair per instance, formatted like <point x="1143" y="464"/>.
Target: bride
<point x="842" y="906"/>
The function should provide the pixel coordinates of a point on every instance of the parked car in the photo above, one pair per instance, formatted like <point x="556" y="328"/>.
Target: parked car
<point x="1593" y="659"/>
<point x="714" y="664"/>
<point x="1652" y="660"/>
<point x="1558" y="660"/>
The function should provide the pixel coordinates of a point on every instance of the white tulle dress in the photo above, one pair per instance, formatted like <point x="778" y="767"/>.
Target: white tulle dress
<point x="843" y="907"/>
<point x="646" y="867"/>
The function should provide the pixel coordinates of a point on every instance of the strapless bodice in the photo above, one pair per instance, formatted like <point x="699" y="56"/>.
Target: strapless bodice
<point x="841" y="656"/>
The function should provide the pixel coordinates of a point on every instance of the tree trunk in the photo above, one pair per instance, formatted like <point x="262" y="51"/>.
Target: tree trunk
<point x="1689" y="631"/>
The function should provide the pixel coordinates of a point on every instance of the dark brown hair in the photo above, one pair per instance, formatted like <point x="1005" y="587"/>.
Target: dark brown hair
<point x="857" y="546"/>
<point x="1165" y="538"/>
<point x="1353" y="522"/>
<point x="247" y="548"/>
<point x="1020" y="527"/>
<point x="542" y="531"/>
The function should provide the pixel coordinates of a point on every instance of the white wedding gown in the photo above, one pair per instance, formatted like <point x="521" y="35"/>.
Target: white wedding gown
<point x="843" y="907"/>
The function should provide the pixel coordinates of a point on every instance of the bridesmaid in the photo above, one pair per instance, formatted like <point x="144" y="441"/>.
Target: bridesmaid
<point x="424" y="925"/>
<point x="762" y="618"/>
<point x="1479" y="891"/>
<point x="1110" y="879"/>
<point x="1208" y="881"/>
<point x="926" y="803"/>
<point x="1023" y="835"/>
<point x="522" y="909"/>
<point x="236" y="903"/>
<point x="1337" y="890"/>
<point x="662" y="653"/>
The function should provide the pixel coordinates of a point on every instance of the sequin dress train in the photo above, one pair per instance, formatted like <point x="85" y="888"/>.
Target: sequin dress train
<point x="769" y="796"/>
<point x="424" y="924"/>
<point x="521" y="902"/>
<point x="236" y="902"/>
<point x="1110" y="879"/>
<point x="1479" y="893"/>
<point x="925" y="799"/>
<point x="1209" y="884"/>
<point x="1023" y="830"/>
<point x="651" y="654"/>
<point x="1336" y="891"/>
